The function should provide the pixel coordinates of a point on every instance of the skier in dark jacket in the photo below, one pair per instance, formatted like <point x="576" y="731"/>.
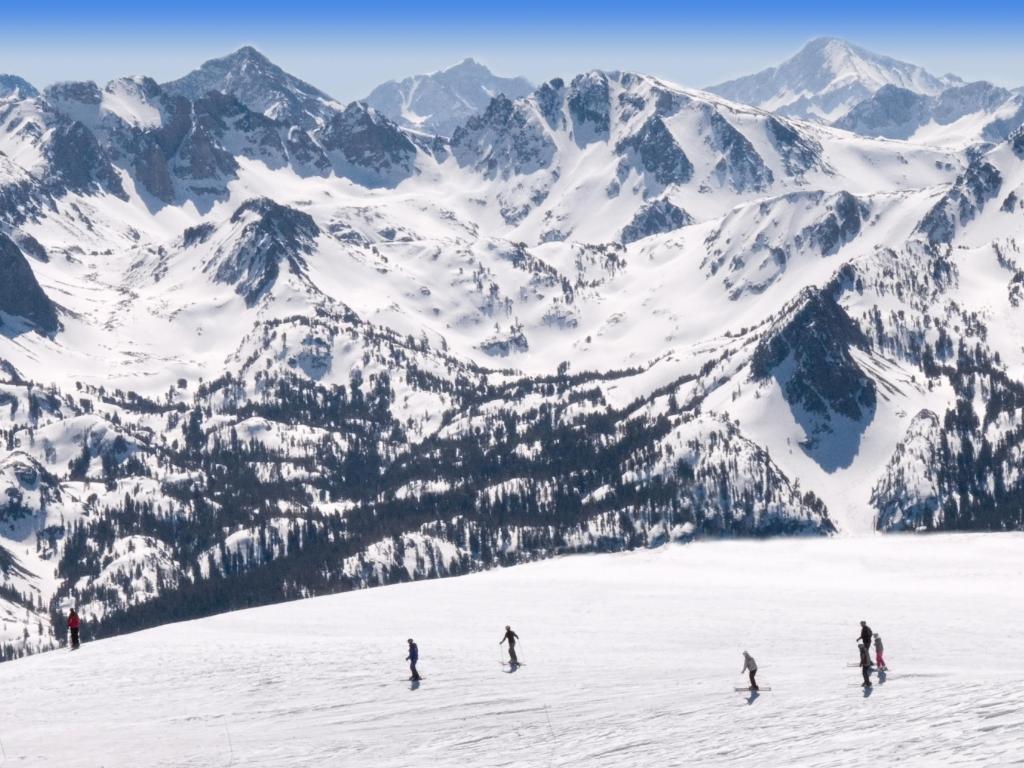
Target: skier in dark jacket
<point x="412" y="658"/>
<point x="865" y="664"/>
<point x="73" y="627"/>
<point x="511" y="637"/>
<point x="866" y="634"/>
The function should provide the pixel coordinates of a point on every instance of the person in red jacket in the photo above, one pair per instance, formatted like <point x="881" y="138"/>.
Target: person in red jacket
<point x="73" y="625"/>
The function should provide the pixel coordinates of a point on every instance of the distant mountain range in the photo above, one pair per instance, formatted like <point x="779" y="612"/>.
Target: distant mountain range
<point x="256" y="344"/>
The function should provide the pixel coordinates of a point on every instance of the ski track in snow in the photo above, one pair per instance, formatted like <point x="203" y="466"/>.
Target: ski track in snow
<point x="631" y="660"/>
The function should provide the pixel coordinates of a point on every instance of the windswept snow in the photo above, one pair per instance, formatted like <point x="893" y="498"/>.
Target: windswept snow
<point x="631" y="660"/>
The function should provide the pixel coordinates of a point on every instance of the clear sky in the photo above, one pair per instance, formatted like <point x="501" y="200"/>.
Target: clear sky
<point x="347" y="48"/>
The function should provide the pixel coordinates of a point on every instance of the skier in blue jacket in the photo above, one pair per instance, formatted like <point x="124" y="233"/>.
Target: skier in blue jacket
<point x="412" y="658"/>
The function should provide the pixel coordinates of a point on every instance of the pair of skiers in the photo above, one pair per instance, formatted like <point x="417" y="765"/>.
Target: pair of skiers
<point x="414" y="651"/>
<point x="864" y="645"/>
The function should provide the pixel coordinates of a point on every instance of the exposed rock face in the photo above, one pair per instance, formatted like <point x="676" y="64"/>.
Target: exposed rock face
<point x="78" y="164"/>
<point x="893" y="112"/>
<point x="505" y="140"/>
<point x="14" y="87"/>
<point x="655" y="218"/>
<point x="20" y="292"/>
<point x="271" y="235"/>
<point x="975" y="187"/>
<point x="840" y="226"/>
<point x="808" y="351"/>
<point x="799" y="153"/>
<point x="740" y="167"/>
<point x="441" y="102"/>
<point x="378" y="152"/>
<point x="656" y="152"/>
<point x="590" y="107"/>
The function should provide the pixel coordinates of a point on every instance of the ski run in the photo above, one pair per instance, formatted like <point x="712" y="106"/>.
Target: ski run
<point x="631" y="659"/>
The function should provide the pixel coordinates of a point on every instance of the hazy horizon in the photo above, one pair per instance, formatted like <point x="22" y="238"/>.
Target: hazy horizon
<point x="346" y="53"/>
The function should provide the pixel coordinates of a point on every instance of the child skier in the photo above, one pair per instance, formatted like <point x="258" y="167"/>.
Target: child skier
<point x="749" y="665"/>
<point x="879" y="650"/>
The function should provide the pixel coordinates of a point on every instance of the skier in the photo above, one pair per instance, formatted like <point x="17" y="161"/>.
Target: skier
<point x="865" y="664"/>
<point x="511" y="637"/>
<point x="865" y="634"/>
<point x="412" y="658"/>
<point x="73" y="625"/>
<point x="879" y="650"/>
<point x="749" y="665"/>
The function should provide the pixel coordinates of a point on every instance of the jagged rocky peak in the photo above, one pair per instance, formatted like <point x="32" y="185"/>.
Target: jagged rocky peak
<point x="267" y="235"/>
<point x="740" y="166"/>
<point x="508" y="138"/>
<point x="826" y="78"/>
<point x="260" y="85"/>
<point x="442" y="101"/>
<point x="379" y="152"/>
<point x="808" y="351"/>
<point x="14" y="87"/>
<point x="20" y="292"/>
<point x="655" y="218"/>
<point x="978" y="184"/>
<point x="959" y="100"/>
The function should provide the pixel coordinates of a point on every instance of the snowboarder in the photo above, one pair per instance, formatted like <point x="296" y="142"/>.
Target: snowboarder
<point x="749" y="665"/>
<point x="412" y="658"/>
<point x="511" y="637"/>
<point x="865" y="634"/>
<point x="879" y="650"/>
<point x="865" y="664"/>
<point x="73" y="627"/>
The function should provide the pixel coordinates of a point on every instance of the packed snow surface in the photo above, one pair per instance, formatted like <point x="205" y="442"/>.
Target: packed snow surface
<point x="631" y="659"/>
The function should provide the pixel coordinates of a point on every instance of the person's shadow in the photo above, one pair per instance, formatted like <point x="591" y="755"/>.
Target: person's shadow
<point x="512" y="668"/>
<point x="868" y="690"/>
<point x="414" y="685"/>
<point x="754" y="695"/>
<point x="882" y="675"/>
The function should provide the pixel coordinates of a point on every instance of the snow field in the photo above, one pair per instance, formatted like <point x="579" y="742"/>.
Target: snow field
<point x="631" y="659"/>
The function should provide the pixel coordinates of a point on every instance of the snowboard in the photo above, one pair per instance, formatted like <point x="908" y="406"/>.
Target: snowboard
<point x="762" y="689"/>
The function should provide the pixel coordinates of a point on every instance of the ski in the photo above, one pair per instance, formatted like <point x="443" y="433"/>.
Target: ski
<point x="751" y="690"/>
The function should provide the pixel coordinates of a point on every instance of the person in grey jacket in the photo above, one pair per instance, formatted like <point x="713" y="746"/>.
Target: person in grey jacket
<point x="749" y="665"/>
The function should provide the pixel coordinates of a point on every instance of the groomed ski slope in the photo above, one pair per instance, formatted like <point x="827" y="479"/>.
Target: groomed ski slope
<point x="631" y="661"/>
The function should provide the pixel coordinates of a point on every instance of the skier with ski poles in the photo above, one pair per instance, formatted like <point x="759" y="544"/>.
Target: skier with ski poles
<point x="511" y="637"/>
<point x="412" y="658"/>
<point x="749" y="665"/>
<point x="865" y="664"/>
<point x="73" y="626"/>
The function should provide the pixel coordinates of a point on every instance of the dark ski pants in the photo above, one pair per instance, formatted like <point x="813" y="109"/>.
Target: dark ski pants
<point x="74" y="637"/>
<point x="753" y="683"/>
<point x="513" y="659"/>
<point x="867" y="674"/>
<point x="412" y="668"/>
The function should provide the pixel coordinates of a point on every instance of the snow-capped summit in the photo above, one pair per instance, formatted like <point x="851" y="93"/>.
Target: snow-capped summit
<point x="826" y="79"/>
<point x="260" y="85"/>
<point x="442" y="101"/>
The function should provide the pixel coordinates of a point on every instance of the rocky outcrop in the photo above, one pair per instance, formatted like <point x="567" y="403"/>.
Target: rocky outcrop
<point x="506" y="140"/>
<point x="977" y="185"/>
<point x="20" y="292"/>
<point x="655" y="218"/>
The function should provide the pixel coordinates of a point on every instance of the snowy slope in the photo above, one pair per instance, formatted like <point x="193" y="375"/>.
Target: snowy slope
<point x="630" y="659"/>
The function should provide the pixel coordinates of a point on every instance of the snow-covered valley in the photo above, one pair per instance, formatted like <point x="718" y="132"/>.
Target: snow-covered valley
<point x="631" y="659"/>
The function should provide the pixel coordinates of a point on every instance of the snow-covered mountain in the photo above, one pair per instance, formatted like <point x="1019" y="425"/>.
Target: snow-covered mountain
<point x="255" y="353"/>
<point x="440" y="102"/>
<point x="826" y="79"/>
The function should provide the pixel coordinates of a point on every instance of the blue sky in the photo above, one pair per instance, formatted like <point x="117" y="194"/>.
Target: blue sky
<point x="347" y="48"/>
